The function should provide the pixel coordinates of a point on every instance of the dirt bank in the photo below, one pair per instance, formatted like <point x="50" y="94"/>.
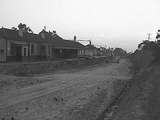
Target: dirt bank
<point x="141" y="100"/>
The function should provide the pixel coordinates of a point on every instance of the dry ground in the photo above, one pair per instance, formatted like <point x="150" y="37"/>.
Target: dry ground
<point x="142" y="100"/>
<point x="65" y="95"/>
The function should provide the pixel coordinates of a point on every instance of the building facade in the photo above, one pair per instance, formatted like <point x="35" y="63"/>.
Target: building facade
<point x="90" y="50"/>
<point x="17" y="45"/>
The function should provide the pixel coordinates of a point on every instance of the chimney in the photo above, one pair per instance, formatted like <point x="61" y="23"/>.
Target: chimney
<point x="53" y="33"/>
<point x="20" y="32"/>
<point x="75" y="38"/>
<point x="45" y="28"/>
<point x="42" y="34"/>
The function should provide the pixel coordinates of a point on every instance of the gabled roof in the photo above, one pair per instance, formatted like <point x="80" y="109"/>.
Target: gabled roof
<point x="67" y="44"/>
<point x="14" y="35"/>
<point x="9" y="34"/>
<point x="90" y="47"/>
<point x="55" y="40"/>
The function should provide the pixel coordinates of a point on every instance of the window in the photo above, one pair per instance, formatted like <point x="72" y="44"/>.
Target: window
<point x="2" y="50"/>
<point x="32" y="48"/>
<point x="43" y="50"/>
<point x="80" y="52"/>
<point x="25" y="51"/>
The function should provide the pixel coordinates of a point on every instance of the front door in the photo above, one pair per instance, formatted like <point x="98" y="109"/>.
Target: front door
<point x="2" y="55"/>
<point x="18" y="53"/>
<point x="2" y="50"/>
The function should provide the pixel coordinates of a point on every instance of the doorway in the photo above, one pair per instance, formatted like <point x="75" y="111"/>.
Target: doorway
<point x="2" y="55"/>
<point x="18" y="53"/>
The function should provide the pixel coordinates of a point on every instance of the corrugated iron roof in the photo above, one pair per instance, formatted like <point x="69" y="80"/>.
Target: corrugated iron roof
<point x="55" y="40"/>
<point x="90" y="47"/>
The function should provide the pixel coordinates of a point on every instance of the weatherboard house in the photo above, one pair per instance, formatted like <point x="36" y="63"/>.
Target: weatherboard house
<point x="18" y="45"/>
<point x="91" y="50"/>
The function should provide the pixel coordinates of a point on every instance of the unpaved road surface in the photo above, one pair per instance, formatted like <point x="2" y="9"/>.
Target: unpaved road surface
<point x="73" y="95"/>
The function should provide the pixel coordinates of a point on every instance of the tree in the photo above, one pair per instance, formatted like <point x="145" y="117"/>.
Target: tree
<point x="28" y="29"/>
<point x="119" y="52"/>
<point x="24" y="28"/>
<point x="148" y="45"/>
<point x="151" y="46"/>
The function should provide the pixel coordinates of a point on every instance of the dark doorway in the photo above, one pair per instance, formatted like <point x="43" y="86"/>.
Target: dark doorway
<point x="18" y="53"/>
<point x="57" y="53"/>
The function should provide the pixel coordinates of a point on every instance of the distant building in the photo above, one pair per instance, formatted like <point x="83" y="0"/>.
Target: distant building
<point x="17" y="45"/>
<point x="90" y="50"/>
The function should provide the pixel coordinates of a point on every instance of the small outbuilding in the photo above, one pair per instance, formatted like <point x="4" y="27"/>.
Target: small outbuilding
<point x="91" y="50"/>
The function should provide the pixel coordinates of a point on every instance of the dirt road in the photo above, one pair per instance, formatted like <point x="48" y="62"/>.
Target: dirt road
<point x="65" y="95"/>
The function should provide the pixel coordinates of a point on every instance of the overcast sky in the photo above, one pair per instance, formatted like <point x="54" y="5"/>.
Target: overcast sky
<point x="114" y="23"/>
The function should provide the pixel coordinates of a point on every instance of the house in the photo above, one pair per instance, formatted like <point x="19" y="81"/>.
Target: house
<point x="102" y="51"/>
<point x="90" y="50"/>
<point x="19" y="45"/>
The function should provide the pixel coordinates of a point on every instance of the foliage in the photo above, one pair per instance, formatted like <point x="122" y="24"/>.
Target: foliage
<point x="24" y="28"/>
<point x="152" y="46"/>
<point x="148" y="52"/>
<point x="119" y="52"/>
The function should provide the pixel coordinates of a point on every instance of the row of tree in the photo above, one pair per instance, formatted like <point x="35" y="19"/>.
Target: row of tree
<point x="23" y="27"/>
<point x="147" y="53"/>
<point x="152" y="46"/>
<point x="27" y="29"/>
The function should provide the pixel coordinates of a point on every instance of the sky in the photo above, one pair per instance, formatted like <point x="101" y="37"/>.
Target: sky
<point x="107" y="23"/>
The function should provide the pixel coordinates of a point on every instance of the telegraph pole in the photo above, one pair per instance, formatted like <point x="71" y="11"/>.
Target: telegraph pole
<point x="149" y="36"/>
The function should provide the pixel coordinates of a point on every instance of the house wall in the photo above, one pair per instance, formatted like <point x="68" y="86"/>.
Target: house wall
<point x="81" y="52"/>
<point x="3" y="52"/>
<point x="38" y="52"/>
<point x="33" y="49"/>
<point x="95" y="51"/>
<point x="11" y="51"/>
<point x="91" y="52"/>
<point x="65" y="53"/>
<point x="50" y="52"/>
<point x="70" y="53"/>
<point x="47" y="50"/>
<point x="8" y="48"/>
<point x="17" y="51"/>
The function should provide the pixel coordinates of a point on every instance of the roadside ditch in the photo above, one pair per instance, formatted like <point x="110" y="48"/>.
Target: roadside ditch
<point x="137" y="99"/>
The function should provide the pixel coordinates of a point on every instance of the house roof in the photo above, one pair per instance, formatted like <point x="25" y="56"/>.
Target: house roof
<point x="90" y="47"/>
<point x="67" y="44"/>
<point x="55" y="40"/>
<point x="9" y="34"/>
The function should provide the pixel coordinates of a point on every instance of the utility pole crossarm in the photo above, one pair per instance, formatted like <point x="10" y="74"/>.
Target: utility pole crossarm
<point x="149" y="36"/>
<point x="86" y="40"/>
